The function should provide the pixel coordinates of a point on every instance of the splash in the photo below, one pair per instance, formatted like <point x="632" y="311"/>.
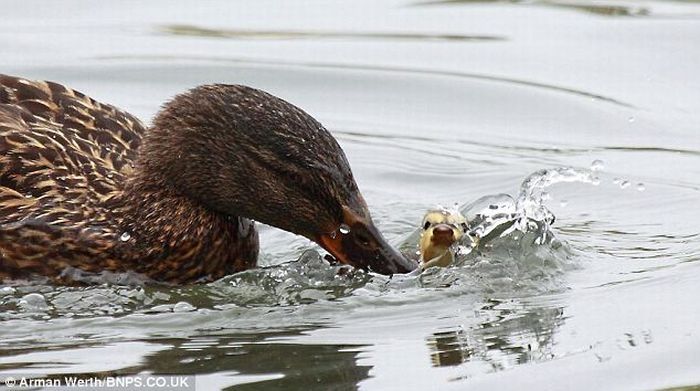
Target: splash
<point x="509" y="244"/>
<point x="500" y="215"/>
<point x="307" y="280"/>
<point x="510" y="248"/>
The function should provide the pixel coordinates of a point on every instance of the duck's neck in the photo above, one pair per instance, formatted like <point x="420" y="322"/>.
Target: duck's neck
<point x="176" y="239"/>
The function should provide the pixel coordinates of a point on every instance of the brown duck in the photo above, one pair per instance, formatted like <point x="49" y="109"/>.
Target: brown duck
<point x="85" y="186"/>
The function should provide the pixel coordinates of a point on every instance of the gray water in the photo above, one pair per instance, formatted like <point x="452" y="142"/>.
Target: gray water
<point x="434" y="102"/>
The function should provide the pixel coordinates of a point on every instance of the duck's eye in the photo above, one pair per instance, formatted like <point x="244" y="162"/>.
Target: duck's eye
<point x="363" y="238"/>
<point x="426" y="225"/>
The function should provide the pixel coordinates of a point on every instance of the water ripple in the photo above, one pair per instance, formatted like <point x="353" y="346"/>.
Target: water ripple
<point x="605" y="9"/>
<point x="375" y="68"/>
<point x="196" y="31"/>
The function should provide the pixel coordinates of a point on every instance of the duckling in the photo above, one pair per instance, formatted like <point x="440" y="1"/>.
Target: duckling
<point x="86" y="186"/>
<point x="440" y="230"/>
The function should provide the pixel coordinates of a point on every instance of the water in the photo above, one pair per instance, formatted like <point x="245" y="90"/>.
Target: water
<point x="434" y="103"/>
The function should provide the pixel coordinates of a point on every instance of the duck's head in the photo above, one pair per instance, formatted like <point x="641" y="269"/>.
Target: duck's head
<point x="439" y="231"/>
<point x="243" y="152"/>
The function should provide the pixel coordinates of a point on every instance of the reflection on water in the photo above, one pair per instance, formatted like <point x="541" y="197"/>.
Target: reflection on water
<point x="266" y="361"/>
<point x="195" y="31"/>
<point x="508" y="334"/>
<point x="273" y="365"/>
<point x="623" y="8"/>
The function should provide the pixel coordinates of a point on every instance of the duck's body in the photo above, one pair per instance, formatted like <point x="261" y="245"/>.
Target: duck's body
<point x="84" y="185"/>
<point x="69" y="197"/>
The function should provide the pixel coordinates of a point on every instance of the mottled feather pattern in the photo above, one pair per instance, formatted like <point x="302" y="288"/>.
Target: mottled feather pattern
<point x="59" y="147"/>
<point x="67" y="196"/>
<point x="61" y="155"/>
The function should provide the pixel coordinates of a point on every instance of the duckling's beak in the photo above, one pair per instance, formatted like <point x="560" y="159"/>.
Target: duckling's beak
<point x="360" y="244"/>
<point x="443" y="235"/>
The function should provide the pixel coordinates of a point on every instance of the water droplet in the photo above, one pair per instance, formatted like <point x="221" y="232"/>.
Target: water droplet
<point x="631" y="119"/>
<point x="333" y="234"/>
<point x="641" y="187"/>
<point x="8" y="290"/>
<point x="417" y="252"/>
<point x="28" y="196"/>
<point x="545" y="196"/>
<point x="624" y="184"/>
<point x="344" y="229"/>
<point x="617" y="181"/>
<point x="493" y="206"/>
<point x="33" y="302"/>
<point x="125" y="236"/>
<point x="183" y="306"/>
<point x="110" y="175"/>
<point x="597" y="165"/>
<point x="595" y="181"/>
<point x="563" y="203"/>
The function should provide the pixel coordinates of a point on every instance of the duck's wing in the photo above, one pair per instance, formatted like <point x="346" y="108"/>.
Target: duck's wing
<point x="61" y="152"/>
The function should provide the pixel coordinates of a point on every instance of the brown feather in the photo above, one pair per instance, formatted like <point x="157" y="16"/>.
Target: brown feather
<point x="65" y="160"/>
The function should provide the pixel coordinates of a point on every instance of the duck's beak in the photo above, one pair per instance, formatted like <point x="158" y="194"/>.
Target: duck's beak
<point x="359" y="243"/>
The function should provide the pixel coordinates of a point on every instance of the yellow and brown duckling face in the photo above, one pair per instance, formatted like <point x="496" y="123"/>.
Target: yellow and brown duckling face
<point x="440" y="230"/>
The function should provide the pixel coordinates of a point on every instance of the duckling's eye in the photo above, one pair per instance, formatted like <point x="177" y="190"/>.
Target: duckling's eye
<point x="426" y="225"/>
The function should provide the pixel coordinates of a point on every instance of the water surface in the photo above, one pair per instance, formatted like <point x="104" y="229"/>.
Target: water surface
<point x="434" y="103"/>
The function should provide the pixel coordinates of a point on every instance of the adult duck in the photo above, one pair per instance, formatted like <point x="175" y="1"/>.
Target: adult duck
<point x="85" y="186"/>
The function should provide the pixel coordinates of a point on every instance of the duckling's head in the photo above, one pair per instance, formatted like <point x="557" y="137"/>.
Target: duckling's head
<point x="242" y="152"/>
<point x="439" y="231"/>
